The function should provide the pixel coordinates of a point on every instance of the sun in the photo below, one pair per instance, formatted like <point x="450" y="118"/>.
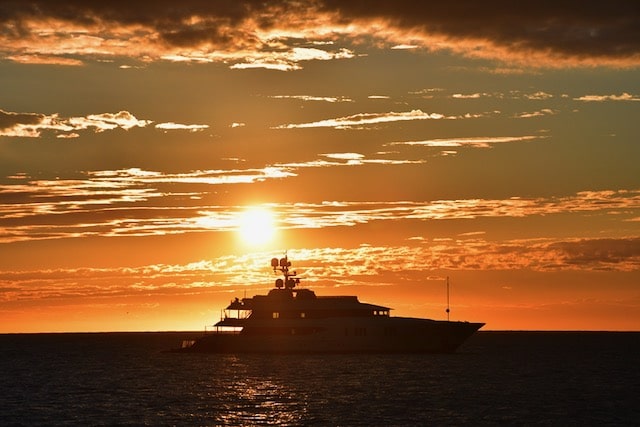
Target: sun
<point x="256" y="226"/>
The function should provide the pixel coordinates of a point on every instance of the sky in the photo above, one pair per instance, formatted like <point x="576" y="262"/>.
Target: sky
<point x="155" y="155"/>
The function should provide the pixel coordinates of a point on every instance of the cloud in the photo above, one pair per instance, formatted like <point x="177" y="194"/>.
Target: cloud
<point x="20" y="124"/>
<point x="539" y="113"/>
<point x="365" y="119"/>
<point x="330" y="99"/>
<point x="467" y="96"/>
<point x="539" y="95"/>
<point x="473" y="233"/>
<point x="601" y="98"/>
<point x="107" y="121"/>
<point x="563" y="33"/>
<point x="606" y="254"/>
<point x="344" y="159"/>
<point x="178" y="126"/>
<point x="126" y="281"/>
<point x="44" y="60"/>
<point x="136" y="202"/>
<point x="513" y="94"/>
<point x="287" y="60"/>
<point x="474" y="142"/>
<point x="325" y="267"/>
<point x="31" y="125"/>
<point x="332" y="214"/>
<point x="344" y="156"/>
<point x="280" y="34"/>
<point x="404" y="47"/>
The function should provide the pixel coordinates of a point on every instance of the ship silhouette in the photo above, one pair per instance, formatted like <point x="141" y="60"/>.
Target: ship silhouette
<point x="291" y="319"/>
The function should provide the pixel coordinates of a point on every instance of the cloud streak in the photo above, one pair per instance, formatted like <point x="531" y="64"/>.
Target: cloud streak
<point x="601" y="98"/>
<point x="474" y="142"/>
<point x="330" y="99"/>
<point x="366" y="120"/>
<point x="180" y="126"/>
<point x="31" y="125"/>
<point x="34" y="125"/>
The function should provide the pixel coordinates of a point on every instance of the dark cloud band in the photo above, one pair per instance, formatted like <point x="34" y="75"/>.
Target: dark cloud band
<point x="567" y="27"/>
<point x="560" y="30"/>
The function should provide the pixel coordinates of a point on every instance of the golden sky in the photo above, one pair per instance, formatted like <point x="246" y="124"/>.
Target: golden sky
<point x="388" y="145"/>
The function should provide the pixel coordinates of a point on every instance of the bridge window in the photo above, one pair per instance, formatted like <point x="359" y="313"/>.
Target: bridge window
<point x="303" y="315"/>
<point x="276" y="315"/>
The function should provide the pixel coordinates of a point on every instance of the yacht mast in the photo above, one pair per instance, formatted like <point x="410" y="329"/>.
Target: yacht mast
<point x="282" y="265"/>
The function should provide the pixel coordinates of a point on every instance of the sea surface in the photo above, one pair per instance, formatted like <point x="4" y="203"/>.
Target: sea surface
<point x="496" y="378"/>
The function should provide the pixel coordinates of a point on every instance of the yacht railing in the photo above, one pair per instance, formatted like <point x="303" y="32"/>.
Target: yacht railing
<point x="225" y="330"/>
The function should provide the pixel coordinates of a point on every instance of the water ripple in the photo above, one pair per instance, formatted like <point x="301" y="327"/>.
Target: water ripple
<point x="497" y="378"/>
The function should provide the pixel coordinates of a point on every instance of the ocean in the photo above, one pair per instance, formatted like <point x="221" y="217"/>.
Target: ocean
<point x="496" y="378"/>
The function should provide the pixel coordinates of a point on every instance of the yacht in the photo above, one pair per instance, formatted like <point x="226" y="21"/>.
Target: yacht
<point x="291" y="319"/>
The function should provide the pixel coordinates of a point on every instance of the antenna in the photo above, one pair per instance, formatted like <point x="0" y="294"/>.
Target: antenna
<point x="448" y="310"/>
<point x="282" y="265"/>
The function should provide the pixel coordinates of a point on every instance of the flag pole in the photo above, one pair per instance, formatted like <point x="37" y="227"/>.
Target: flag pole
<point x="448" y="310"/>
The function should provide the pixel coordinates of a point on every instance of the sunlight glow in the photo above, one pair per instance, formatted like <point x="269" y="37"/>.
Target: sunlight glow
<point x="256" y="226"/>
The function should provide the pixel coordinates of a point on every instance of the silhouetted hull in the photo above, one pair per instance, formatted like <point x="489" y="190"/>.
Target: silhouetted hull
<point x="340" y="335"/>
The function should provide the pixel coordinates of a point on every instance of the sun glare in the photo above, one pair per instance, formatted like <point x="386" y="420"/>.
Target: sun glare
<point x="256" y="226"/>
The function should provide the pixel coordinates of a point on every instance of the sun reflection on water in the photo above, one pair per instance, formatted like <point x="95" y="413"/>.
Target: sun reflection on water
<point x="253" y="397"/>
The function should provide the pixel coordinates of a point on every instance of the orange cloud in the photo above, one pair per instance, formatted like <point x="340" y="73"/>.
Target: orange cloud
<point x="325" y="267"/>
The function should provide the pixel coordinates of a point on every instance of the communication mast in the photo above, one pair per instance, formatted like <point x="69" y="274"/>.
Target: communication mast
<point x="282" y="265"/>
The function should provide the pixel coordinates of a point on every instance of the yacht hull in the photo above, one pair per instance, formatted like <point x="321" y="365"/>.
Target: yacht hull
<point x="340" y="335"/>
